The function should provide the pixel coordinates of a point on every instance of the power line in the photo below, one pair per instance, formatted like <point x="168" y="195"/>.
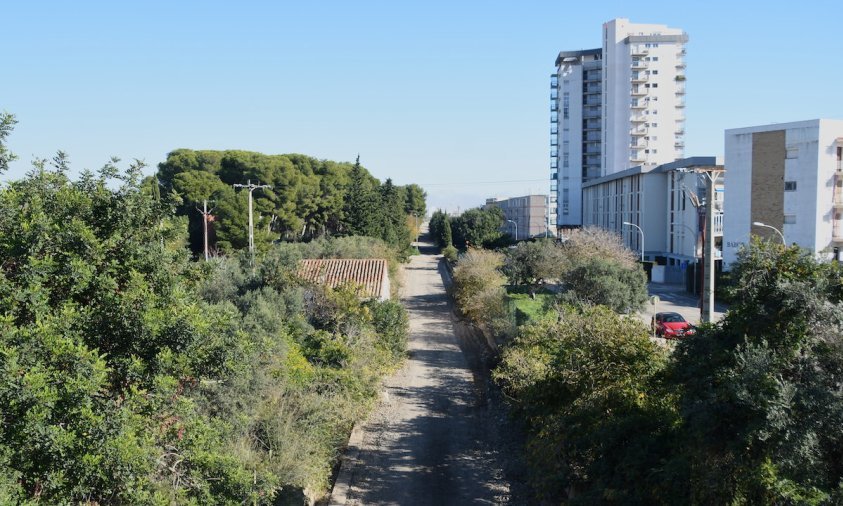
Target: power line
<point x="472" y="183"/>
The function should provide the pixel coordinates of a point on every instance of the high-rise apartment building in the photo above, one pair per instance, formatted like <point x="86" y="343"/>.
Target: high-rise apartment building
<point x="615" y="107"/>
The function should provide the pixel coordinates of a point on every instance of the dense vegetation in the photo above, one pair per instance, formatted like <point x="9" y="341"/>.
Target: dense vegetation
<point x="747" y="412"/>
<point x="590" y="268"/>
<point x="473" y="228"/>
<point x="131" y="375"/>
<point x="307" y="198"/>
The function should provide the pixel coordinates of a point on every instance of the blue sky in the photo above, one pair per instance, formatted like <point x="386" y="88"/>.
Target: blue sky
<point x="450" y="95"/>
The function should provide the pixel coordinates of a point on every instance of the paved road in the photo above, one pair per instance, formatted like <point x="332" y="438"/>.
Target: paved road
<point x="675" y="298"/>
<point x="432" y="439"/>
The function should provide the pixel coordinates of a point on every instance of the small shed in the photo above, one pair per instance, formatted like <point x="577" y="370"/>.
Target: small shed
<point x="370" y="274"/>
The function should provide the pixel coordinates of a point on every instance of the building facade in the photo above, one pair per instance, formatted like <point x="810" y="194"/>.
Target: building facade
<point x="525" y="216"/>
<point x="665" y="201"/>
<point x="615" y="107"/>
<point x="787" y="176"/>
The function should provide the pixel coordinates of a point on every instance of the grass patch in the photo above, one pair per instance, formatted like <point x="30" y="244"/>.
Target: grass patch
<point x="529" y="310"/>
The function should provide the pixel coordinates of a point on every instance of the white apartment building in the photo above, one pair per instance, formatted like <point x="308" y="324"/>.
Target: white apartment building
<point x="526" y="216"/>
<point x="663" y="201"/>
<point x="788" y="176"/>
<point x="615" y="107"/>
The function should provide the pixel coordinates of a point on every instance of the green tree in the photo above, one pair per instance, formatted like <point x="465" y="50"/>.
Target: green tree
<point x="7" y="124"/>
<point x="436" y="227"/>
<point x="534" y="262"/>
<point x="394" y="225"/>
<point x="415" y="203"/>
<point x="362" y="211"/>
<point x="760" y="390"/>
<point x="589" y="387"/>
<point x="599" y="269"/>
<point x="477" y="227"/>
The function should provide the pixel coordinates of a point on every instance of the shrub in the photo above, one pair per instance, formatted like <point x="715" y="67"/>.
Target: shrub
<point x="450" y="253"/>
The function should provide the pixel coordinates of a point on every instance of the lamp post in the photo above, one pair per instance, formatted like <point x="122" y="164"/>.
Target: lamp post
<point x="759" y="224"/>
<point x="642" y="237"/>
<point x="516" y="229"/>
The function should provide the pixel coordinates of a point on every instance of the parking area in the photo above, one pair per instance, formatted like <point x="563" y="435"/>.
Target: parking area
<point x="675" y="298"/>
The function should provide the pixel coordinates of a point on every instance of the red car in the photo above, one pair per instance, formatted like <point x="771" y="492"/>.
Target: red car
<point x="672" y="325"/>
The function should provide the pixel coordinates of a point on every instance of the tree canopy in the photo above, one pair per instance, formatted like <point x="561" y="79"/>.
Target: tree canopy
<point x="306" y="198"/>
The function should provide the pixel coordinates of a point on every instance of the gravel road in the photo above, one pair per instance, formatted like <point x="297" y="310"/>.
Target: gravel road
<point x="435" y="437"/>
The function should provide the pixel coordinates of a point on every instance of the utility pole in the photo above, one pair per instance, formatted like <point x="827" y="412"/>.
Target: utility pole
<point x="712" y="174"/>
<point x="251" y="187"/>
<point x="205" y="214"/>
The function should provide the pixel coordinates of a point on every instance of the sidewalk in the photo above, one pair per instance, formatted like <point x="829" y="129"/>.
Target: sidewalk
<point x="675" y="298"/>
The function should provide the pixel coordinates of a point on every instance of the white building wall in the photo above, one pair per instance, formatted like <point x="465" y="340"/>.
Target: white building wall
<point x="656" y="64"/>
<point x="738" y="179"/>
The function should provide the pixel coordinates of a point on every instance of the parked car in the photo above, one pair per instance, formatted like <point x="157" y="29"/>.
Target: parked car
<point x="672" y="325"/>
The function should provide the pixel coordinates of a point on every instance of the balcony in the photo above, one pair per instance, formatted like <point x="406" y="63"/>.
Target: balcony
<point x="591" y="126"/>
<point x="680" y="90"/>
<point x="639" y="159"/>
<point x="638" y="51"/>
<point x="837" y="200"/>
<point x="679" y="131"/>
<point x="718" y="224"/>
<point x="641" y="104"/>
<point x="638" y="118"/>
<point x="639" y="65"/>
<point x="839" y="166"/>
<point x="554" y="94"/>
<point x="680" y="64"/>
<point x="639" y="91"/>
<point x="837" y="231"/>
<point x="592" y="77"/>
<point x="679" y="144"/>
<point x="640" y="78"/>
<point x="680" y="104"/>
<point x="591" y="90"/>
<point x="638" y="132"/>
<point x="554" y="107"/>
<point x="554" y="175"/>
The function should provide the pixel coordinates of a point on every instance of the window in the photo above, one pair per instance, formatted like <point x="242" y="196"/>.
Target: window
<point x="655" y="85"/>
<point x="790" y="186"/>
<point x="789" y="219"/>
<point x="655" y="58"/>
<point x="654" y="124"/>
<point x="655" y="72"/>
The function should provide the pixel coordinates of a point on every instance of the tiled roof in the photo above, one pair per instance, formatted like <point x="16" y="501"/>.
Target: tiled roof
<point x="333" y="272"/>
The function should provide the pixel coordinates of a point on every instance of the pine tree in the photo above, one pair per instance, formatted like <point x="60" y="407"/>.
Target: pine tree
<point x="363" y="204"/>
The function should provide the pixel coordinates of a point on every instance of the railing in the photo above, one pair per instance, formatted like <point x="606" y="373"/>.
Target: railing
<point x="718" y="224"/>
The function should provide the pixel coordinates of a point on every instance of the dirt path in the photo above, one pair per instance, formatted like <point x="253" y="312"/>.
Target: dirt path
<point x="433" y="438"/>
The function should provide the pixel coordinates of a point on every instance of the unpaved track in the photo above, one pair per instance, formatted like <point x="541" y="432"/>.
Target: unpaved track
<point x="432" y="439"/>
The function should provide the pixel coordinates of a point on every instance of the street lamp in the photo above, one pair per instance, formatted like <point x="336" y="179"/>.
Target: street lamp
<point x="516" y="229"/>
<point x="759" y="224"/>
<point x="642" y="238"/>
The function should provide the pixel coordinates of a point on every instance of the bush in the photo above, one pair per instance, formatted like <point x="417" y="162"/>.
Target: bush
<point x="479" y="288"/>
<point x="450" y="253"/>
<point x="586" y="385"/>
